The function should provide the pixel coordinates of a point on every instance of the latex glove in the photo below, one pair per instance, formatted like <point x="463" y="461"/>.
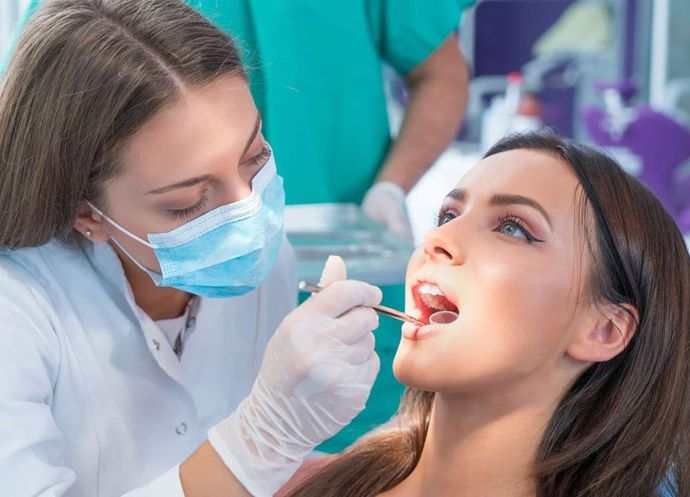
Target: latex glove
<point x="385" y="203"/>
<point x="316" y="376"/>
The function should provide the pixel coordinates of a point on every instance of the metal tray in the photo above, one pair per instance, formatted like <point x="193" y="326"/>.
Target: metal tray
<point x="371" y="252"/>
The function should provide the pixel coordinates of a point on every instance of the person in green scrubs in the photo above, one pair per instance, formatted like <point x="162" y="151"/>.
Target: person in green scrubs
<point x="318" y="81"/>
<point x="316" y="71"/>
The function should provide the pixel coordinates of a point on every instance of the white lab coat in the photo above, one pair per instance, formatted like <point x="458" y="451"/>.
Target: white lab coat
<point x="93" y="400"/>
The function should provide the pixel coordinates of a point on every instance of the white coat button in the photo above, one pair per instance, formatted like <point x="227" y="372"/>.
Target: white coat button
<point x="156" y="344"/>
<point x="181" y="429"/>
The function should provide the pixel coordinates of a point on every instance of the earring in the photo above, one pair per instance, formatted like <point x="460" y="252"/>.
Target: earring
<point x="88" y="233"/>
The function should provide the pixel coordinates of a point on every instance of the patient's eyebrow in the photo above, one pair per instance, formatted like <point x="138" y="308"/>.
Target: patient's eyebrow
<point x="457" y="194"/>
<point x="509" y="199"/>
<point x="499" y="199"/>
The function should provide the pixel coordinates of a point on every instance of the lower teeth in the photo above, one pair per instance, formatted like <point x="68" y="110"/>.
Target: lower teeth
<point x="443" y="317"/>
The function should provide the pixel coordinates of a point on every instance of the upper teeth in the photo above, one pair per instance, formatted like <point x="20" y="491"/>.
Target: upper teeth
<point x="433" y="297"/>
<point x="429" y="289"/>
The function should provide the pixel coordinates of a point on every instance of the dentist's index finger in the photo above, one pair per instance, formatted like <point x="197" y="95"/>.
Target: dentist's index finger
<point x="341" y="296"/>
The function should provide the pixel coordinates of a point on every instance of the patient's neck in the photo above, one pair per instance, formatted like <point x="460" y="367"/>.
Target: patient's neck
<point x="480" y="446"/>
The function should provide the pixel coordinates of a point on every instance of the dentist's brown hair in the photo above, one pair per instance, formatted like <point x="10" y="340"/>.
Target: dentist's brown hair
<point x="85" y="76"/>
<point x="623" y="428"/>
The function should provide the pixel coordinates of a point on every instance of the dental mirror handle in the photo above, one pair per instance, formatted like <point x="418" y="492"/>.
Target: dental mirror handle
<point x="381" y="309"/>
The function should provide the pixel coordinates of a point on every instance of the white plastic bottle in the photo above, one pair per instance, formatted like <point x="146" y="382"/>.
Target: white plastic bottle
<point x="502" y="118"/>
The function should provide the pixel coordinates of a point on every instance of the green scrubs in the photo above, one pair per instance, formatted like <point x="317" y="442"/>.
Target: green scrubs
<point x="317" y="80"/>
<point x="316" y="75"/>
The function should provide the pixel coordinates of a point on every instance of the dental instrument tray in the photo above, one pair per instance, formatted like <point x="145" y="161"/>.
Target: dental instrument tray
<point x="371" y="252"/>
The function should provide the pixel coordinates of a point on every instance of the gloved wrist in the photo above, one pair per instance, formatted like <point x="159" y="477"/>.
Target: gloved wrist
<point x="385" y="204"/>
<point x="251" y="443"/>
<point x="316" y="375"/>
<point x="389" y="188"/>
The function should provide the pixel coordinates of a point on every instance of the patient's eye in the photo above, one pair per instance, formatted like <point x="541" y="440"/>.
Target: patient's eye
<point x="445" y="215"/>
<point x="515" y="228"/>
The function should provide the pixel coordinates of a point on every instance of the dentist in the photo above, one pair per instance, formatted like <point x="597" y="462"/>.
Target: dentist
<point x="147" y="346"/>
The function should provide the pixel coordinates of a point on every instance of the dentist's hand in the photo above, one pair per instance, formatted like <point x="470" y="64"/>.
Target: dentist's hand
<point x="385" y="203"/>
<point x="316" y="376"/>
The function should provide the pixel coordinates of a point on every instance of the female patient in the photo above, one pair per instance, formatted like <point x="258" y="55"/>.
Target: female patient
<point x="567" y="370"/>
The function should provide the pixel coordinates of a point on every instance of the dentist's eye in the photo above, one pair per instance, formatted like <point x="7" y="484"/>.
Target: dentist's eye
<point x="514" y="227"/>
<point x="192" y="211"/>
<point x="444" y="216"/>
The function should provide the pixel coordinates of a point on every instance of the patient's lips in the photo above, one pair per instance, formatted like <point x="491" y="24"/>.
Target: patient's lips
<point x="435" y="304"/>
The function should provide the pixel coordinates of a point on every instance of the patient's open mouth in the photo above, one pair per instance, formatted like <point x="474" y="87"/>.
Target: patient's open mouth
<point x="433" y="304"/>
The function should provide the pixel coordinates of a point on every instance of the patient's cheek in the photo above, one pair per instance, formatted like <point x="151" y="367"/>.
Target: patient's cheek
<point x="416" y="260"/>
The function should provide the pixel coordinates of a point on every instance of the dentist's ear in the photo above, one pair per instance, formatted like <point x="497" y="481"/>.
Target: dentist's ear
<point x="90" y="224"/>
<point x="606" y="334"/>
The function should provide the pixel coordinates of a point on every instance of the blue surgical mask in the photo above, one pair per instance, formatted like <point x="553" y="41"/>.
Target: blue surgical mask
<point x="226" y="252"/>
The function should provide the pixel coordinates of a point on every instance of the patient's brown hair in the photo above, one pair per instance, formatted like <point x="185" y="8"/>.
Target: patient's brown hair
<point x="86" y="74"/>
<point x="623" y="428"/>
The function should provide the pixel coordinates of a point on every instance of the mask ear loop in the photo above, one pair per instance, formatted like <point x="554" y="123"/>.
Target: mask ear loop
<point x="156" y="277"/>
<point x="121" y="228"/>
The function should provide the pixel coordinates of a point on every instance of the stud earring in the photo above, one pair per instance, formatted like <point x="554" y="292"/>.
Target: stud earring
<point x="88" y="233"/>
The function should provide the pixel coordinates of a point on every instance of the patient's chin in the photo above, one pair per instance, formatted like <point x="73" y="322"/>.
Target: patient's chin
<point x="413" y="369"/>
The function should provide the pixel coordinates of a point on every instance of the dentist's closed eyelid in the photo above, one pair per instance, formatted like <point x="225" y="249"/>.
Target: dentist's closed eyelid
<point x="192" y="210"/>
<point x="260" y="158"/>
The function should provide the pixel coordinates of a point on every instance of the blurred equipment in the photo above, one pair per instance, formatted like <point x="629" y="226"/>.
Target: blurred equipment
<point x="498" y="39"/>
<point x="649" y="143"/>
<point x="559" y="46"/>
<point x="509" y="113"/>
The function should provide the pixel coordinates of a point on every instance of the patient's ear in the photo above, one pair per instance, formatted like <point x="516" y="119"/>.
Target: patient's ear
<point x="605" y="333"/>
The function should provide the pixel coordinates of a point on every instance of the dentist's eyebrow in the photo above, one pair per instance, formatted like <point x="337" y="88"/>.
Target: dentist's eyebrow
<point x="500" y="199"/>
<point x="200" y="179"/>
<point x="257" y="127"/>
